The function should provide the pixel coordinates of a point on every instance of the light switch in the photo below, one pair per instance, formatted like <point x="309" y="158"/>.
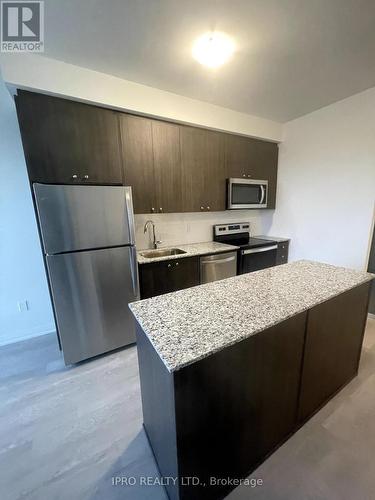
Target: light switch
<point x="23" y="306"/>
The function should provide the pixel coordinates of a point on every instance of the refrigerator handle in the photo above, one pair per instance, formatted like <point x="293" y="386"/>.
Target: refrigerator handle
<point x="134" y="271"/>
<point x="130" y="213"/>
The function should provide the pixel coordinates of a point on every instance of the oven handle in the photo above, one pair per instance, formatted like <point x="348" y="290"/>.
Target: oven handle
<point x="258" y="250"/>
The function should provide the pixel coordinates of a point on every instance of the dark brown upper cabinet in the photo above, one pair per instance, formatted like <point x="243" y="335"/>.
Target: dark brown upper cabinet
<point x="167" y="166"/>
<point x="68" y="142"/>
<point x="136" y="139"/>
<point x="203" y="169"/>
<point x="253" y="159"/>
<point x="152" y="165"/>
<point x="170" y="167"/>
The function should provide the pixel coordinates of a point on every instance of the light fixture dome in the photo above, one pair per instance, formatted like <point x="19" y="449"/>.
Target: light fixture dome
<point x="213" y="49"/>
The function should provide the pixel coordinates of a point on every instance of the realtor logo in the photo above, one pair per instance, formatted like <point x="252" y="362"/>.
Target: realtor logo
<point x="22" y="26"/>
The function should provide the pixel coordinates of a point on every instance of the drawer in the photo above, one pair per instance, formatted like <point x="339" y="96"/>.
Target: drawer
<point x="282" y="252"/>
<point x="282" y="259"/>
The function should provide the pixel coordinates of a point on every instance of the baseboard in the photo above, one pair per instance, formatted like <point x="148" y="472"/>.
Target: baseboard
<point x="370" y="315"/>
<point x="20" y="338"/>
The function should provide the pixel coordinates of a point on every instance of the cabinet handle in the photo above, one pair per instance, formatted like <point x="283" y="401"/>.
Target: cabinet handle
<point x="74" y="176"/>
<point x="86" y="177"/>
<point x="202" y="208"/>
<point x="160" y="209"/>
<point x="152" y="209"/>
<point x="208" y="208"/>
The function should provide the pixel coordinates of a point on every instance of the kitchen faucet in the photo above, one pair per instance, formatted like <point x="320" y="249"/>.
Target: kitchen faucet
<point x="155" y="242"/>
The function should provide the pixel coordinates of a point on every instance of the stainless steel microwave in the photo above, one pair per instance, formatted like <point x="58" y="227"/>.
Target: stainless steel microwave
<point x="247" y="193"/>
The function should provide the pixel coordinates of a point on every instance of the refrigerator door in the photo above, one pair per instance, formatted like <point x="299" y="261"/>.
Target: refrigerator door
<point x="84" y="217"/>
<point x="91" y="292"/>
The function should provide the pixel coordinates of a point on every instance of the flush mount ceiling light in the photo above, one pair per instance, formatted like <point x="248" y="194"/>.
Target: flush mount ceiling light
<point x="213" y="49"/>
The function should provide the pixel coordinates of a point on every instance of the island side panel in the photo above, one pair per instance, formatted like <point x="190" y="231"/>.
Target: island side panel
<point x="334" y="339"/>
<point x="158" y="409"/>
<point x="235" y="406"/>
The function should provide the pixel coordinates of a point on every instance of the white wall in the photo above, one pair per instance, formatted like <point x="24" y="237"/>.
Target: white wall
<point x="21" y="267"/>
<point x="30" y="71"/>
<point x="326" y="186"/>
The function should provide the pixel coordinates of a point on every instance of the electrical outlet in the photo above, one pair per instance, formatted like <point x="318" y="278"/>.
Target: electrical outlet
<point x="23" y="306"/>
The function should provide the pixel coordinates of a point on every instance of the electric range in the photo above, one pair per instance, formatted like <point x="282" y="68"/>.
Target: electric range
<point x="254" y="253"/>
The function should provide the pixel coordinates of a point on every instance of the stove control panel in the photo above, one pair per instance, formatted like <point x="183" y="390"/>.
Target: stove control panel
<point x="235" y="228"/>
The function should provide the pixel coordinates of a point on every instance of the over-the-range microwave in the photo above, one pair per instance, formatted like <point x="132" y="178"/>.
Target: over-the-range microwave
<point x="246" y="193"/>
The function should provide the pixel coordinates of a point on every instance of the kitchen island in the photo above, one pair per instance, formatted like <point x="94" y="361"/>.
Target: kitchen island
<point x="229" y="370"/>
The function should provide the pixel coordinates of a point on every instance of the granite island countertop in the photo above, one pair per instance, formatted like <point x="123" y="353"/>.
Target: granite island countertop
<point x="191" y="324"/>
<point x="192" y="250"/>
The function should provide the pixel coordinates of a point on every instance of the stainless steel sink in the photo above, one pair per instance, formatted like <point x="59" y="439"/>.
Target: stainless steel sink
<point x="151" y="254"/>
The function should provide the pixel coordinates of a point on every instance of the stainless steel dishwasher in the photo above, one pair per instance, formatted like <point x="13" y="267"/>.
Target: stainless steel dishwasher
<point x="218" y="266"/>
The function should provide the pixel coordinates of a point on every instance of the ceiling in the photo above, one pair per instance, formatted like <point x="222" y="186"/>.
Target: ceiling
<point x="293" y="56"/>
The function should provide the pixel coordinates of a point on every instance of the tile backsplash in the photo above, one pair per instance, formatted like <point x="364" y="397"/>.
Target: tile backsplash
<point x="175" y="229"/>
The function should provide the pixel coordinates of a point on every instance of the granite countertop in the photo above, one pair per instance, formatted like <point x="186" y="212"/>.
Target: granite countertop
<point x="190" y="324"/>
<point x="272" y="238"/>
<point x="191" y="250"/>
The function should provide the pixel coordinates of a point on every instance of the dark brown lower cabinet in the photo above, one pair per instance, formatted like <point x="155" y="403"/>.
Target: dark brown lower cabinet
<point x="168" y="276"/>
<point x="282" y="252"/>
<point x="333" y="346"/>
<point x="221" y="416"/>
<point x="229" y="410"/>
<point x="246" y="404"/>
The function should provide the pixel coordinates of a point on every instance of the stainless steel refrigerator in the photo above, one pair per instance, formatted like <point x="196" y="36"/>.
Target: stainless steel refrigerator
<point x="88" y="241"/>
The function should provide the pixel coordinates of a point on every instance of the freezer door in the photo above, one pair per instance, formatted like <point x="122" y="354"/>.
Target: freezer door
<point x="84" y="217"/>
<point x="91" y="291"/>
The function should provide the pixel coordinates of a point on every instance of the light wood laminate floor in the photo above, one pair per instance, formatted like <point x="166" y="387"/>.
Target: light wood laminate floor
<point x="65" y="433"/>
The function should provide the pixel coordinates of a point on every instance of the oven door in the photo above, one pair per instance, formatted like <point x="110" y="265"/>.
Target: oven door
<point x="254" y="259"/>
<point x="246" y="193"/>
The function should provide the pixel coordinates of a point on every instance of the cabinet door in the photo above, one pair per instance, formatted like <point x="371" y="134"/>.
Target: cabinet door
<point x="68" y="142"/>
<point x="333" y="345"/>
<point x="168" y="276"/>
<point x="183" y="273"/>
<point x="251" y="389"/>
<point x="167" y="166"/>
<point x="238" y="156"/>
<point x="136" y="139"/>
<point x="153" y="279"/>
<point x="282" y="252"/>
<point x="203" y="169"/>
<point x="264" y="166"/>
